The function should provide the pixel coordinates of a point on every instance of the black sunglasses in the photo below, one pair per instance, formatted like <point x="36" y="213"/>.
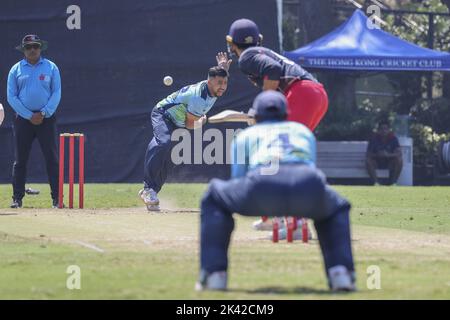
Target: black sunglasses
<point x="32" y="46"/>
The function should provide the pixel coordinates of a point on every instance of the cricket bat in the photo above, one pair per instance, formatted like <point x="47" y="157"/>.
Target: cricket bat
<point x="229" y="116"/>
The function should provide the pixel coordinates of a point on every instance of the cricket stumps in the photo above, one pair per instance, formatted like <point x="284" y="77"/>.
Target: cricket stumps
<point x="291" y="226"/>
<point x="71" y="137"/>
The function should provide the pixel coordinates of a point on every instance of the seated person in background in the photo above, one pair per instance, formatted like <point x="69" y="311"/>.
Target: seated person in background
<point x="383" y="152"/>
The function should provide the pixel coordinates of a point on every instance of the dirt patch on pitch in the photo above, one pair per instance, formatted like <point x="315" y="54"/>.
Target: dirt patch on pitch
<point x="400" y="241"/>
<point x="103" y="211"/>
<point x="178" y="228"/>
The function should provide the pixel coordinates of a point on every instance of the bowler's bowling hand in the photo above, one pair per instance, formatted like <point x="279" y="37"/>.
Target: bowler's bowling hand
<point x="37" y="118"/>
<point x="223" y="61"/>
<point x="203" y="120"/>
<point x="200" y="122"/>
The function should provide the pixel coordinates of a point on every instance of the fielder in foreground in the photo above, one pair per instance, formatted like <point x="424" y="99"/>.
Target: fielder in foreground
<point x="185" y="108"/>
<point x="297" y="188"/>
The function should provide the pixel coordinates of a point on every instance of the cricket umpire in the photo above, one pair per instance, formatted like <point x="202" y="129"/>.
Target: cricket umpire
<point x="296" y="188"/>
<point x="34" y="92"/>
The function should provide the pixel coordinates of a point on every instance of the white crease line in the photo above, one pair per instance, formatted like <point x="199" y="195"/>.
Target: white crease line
<point x="90" y="246"/>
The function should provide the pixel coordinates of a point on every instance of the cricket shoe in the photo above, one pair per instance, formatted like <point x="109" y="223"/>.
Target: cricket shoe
<point x="16" y="204"/>
<point x="216" y="281"/>
<point x="32" y="192"/>
<point x="267" y="225"/>
<point x="340" y="279"/>
<point x="55" y="204"/>
<point x="153" y="207"/>
<point x="150" y="198"/>
<point x="261" y="225"/>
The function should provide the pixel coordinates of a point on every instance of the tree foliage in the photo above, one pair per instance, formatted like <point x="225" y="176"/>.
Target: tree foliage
<point x="348" y="120"/>
<point x="431" y="115"/>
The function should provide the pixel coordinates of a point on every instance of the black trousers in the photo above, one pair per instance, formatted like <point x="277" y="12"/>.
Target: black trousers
<point x="24" y="134"/>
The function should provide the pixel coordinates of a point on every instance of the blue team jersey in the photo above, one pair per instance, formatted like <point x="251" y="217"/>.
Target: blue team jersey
<point x="264" y="143"/>
<point x="260" y="63"/>
<point x="194" y="99"/>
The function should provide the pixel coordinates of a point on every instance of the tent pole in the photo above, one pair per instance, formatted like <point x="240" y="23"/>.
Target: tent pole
<point x="430" y="46"/>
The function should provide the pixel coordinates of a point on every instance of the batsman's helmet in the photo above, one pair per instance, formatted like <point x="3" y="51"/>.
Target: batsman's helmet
<point x="244" y="32"/>
<point x="269" y="105"/>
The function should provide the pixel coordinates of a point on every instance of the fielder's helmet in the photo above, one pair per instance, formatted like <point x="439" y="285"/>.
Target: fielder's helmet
<point x="244" y="31"/>
<point x="269" y="105"/>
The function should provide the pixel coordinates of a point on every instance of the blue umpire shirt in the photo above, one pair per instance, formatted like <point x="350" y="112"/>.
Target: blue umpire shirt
<point x="34" y="88"/>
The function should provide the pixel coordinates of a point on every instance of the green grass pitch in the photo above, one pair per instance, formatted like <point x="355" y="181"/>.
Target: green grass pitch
<point x="126" y="253"/>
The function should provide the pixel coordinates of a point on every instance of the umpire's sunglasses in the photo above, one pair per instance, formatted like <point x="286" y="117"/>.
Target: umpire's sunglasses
<point x="32" y="46"/>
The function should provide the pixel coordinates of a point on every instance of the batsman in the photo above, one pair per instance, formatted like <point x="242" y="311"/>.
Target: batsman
<point x="268" y="70"/>
<point x="295" y="188"/>
<point x="185" y="108"/>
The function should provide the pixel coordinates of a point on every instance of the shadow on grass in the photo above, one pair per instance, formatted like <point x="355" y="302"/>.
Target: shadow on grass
<point x="284" y="290"/>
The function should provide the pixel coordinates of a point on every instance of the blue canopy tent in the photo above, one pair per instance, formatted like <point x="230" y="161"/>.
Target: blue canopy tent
<point x="357" y="45"/>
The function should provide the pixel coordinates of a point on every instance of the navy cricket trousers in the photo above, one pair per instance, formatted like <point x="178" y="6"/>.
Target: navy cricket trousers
<point x="296" y="190"/>
<point x="157" y="157"/>
<point x="24" y="134"/>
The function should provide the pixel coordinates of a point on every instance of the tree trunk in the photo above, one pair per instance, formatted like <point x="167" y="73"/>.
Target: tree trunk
<point x="317" y="18"/>
<point x="446" y="80"/>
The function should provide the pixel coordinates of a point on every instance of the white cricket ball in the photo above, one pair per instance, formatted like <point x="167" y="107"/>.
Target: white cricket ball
<point x="168" y="80"/>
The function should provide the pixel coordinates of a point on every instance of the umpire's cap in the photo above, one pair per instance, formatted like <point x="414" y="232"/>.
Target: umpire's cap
<point x="269" y="105"/>
<point x="32" y="39"/>
<point x="244" y="32"/>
